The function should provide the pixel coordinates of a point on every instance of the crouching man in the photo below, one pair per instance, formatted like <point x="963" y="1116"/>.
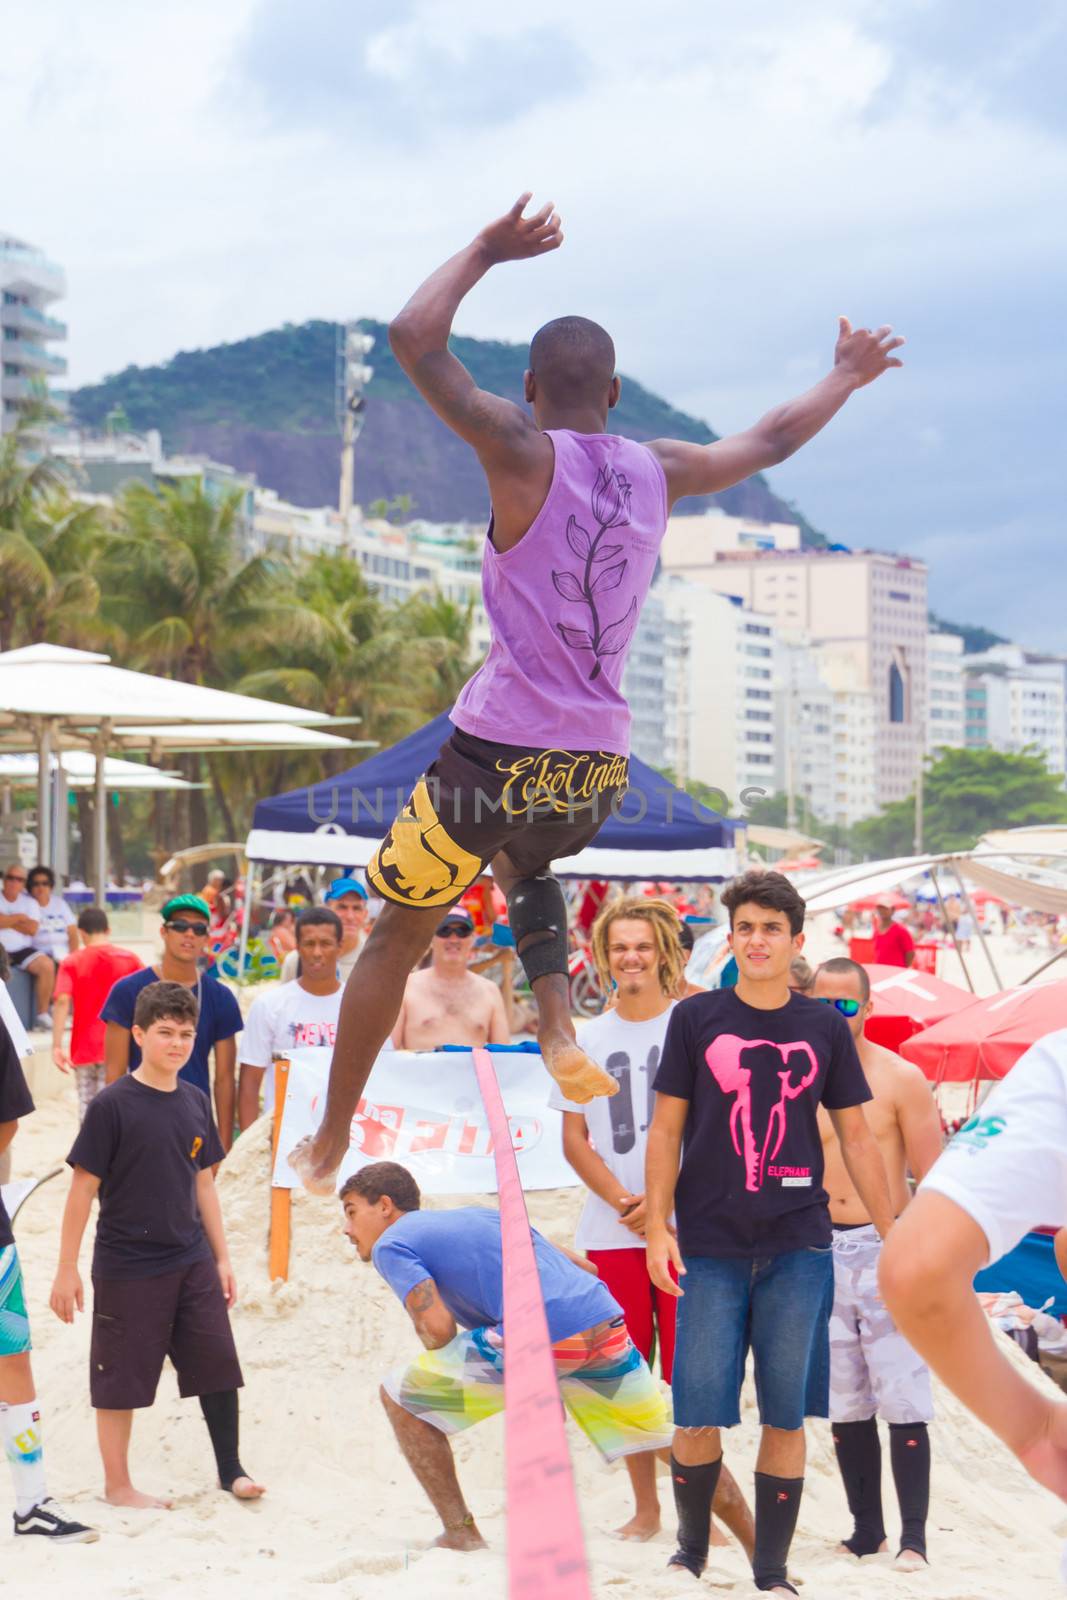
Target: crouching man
<point x="446" y="1267"/>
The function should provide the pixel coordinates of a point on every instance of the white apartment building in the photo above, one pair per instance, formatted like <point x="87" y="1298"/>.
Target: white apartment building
<point x="1015" y="702"/>
<point x="29" y="284"/>
<point x="730" y="691"/>
<point x="694" y="542"/>
<point x="825" y="752"/>
<point x="645" y="684"/>
<point x="869" y="610"/>
<point x="945" y="682"/>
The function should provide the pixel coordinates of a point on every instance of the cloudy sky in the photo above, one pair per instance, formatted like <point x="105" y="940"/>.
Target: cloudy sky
<point x="731" y="177"/>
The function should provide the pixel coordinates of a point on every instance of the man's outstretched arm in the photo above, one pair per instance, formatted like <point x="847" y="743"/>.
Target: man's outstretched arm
<point x="859" y="357"/>
<point x="419" y="334"/>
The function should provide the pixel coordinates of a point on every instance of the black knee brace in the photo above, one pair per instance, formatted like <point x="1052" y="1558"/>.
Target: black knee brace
<point x="537" y="912"/>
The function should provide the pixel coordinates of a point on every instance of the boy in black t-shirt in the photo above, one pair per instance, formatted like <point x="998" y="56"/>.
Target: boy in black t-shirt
<point x="741" y="1078"/>
<point x="162" y="1279"/>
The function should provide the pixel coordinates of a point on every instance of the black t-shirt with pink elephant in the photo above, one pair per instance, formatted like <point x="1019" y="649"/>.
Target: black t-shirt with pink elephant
<point x="750" y="1183"/>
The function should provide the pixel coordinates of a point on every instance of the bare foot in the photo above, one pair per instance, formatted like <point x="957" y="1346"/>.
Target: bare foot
<point x="641" y="1527"/>
<point x="910" y="1561"/>
<point x="580" y="1078"/>
<point x="843" y="1550"/>
<point x="246" y="1489"/>
<point x="127" y="1495"/>
<point x="718" y="1539"/>
<point x="467" y="1538"/>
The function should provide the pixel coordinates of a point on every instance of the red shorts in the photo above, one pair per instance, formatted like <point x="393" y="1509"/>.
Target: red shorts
<point x="648" y="1311"/>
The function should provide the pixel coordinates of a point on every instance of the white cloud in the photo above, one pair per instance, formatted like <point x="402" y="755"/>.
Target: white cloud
<point x="730" y="179"/>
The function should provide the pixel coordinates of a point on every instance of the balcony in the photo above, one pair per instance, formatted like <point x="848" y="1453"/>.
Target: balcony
<point x="27" y="319"/>
<point x="34" y="357"/>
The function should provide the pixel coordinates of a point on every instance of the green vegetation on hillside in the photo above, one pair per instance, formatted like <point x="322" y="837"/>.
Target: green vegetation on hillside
<point x="974" y="638"/>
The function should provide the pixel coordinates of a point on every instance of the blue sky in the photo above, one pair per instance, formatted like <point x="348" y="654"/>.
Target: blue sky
<point x="730" y="177"/>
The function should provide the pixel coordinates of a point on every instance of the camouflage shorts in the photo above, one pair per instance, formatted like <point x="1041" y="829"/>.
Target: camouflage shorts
<point x="873" y="1369"/>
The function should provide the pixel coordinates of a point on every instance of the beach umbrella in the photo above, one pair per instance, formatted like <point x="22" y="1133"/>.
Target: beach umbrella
<point x="907" y="1001"/>
<point x="986" y="1038"/>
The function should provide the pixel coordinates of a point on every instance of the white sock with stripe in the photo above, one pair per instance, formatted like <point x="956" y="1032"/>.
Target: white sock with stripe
<point x="20" y="1427"/>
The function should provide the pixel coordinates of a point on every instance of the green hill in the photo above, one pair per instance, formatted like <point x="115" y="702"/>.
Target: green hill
<point x="266" y="405"/>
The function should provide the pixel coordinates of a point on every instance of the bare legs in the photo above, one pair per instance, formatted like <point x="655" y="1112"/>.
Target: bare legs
<point x="113" y="1429"/>
<point x="429" y="1455"/>
<point x="729" y="1504"/>
<point x="369" y="1008"/>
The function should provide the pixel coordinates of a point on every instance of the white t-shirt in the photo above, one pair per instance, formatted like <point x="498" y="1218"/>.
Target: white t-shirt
<point x="23" y="905"/>
<point x="964" y="926"/>
<point x="1007" y="1167"/>
<point x="618" y="1127"/>
<point x="286" y="1019"/>
<point x="54" y="919"/>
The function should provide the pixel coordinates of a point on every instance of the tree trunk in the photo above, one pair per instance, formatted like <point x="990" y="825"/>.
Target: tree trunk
<point x="198" y="821"/>
<point x="115" y="845"/>
<point x="87" y="846"/>
<point x="229" y="826"/>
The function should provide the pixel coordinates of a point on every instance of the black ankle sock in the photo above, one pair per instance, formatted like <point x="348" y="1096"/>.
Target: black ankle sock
<point x="221" y="1415"/>
<point x="694" y="1490"/>
<point x="777" y="1505"/>
<point x="909" y="1453"/>
<point x="859" y="1456"/>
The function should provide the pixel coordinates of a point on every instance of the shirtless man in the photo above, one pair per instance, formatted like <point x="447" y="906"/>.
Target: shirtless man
<point x="446" y="1004"/>
<point x="539" y="751"/>
<point x="873" y="1371"/>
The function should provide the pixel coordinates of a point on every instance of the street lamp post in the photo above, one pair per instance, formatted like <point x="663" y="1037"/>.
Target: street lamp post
<point x="353" y="375"/>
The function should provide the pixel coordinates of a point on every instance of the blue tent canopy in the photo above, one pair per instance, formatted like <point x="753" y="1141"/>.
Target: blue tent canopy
<point x="659" y="831"/>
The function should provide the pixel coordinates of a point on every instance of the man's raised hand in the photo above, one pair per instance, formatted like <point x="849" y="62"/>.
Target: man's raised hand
<point x="865" y="355"/>
<point x="516" y="238"/>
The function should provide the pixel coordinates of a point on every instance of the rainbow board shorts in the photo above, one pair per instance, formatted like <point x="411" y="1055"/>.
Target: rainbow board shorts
<point x="604" y="1382"/>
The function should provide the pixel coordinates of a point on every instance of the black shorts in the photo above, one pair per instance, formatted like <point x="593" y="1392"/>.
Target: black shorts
<point x="478" y="799"/>
<point x="138" y="1322"/>
<point x="18" y="958"/>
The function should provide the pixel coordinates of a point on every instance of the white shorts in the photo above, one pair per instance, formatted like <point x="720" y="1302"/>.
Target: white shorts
<point x="873" y="1369"/>
<point x="1007" y="1167"/>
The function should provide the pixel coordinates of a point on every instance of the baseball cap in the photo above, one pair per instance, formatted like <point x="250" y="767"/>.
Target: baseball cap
<point x="455" y="919"/>
<point x="185" y="902"/>
<point x="342" y="886"/>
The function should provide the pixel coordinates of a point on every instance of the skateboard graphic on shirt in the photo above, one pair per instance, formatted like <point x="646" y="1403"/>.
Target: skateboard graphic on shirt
<point x="723" y="1056"/>
<point x="621" y="1108"/>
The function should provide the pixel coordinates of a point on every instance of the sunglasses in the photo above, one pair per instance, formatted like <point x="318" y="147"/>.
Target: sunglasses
<point x="847" y="1008"/>
<point x="38" y="883"/>
<point x="453" y="930"/>
<point x="179" y="925"/>
<point x="14" y="877"/>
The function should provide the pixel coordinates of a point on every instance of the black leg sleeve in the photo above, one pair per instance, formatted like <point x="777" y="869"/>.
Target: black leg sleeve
<point x="909" y="1454"/>
<point x="537" y="913"/>
<point x="859" y="1456"/>
<point x="694" y="1490"/>
<point x="777" y="1505"/>
<point x="221" y="1415"/>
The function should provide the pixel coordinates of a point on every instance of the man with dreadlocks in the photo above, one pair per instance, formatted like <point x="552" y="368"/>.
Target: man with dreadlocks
<point x="641" y="959"/>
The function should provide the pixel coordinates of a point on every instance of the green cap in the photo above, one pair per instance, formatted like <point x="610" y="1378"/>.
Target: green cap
<point x="186" y="902"/>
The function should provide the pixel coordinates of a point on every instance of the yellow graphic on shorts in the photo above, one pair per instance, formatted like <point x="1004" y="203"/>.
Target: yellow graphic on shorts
<point x="198" y="1145"/>
<point x="419" y="863"/>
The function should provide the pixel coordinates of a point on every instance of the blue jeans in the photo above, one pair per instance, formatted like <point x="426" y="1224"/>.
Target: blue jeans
<point x="776" y="1306"/>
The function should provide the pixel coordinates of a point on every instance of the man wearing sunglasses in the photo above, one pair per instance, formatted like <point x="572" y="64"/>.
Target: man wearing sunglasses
<point x="444" y="1003"/>
<point x="874" y="1372"/>
<point x="184" y="935"/>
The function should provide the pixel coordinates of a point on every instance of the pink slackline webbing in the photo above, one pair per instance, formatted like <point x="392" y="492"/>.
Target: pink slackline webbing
<point x="546" y="1547"/>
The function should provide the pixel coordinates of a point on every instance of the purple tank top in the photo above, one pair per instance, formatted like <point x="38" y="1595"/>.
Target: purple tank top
<point x="564" y="602"/>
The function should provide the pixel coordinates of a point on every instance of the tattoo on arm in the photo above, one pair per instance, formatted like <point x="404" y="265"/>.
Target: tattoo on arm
<point x="422" y="1297"/>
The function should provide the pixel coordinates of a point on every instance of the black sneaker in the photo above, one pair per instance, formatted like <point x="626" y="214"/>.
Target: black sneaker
<point x="49" y="1520"/>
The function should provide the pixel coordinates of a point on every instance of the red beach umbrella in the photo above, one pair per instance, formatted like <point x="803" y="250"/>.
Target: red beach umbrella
<point x="891" y="898"/>
<point x="906" y="1001"/>
<point x="986" y="1038"/>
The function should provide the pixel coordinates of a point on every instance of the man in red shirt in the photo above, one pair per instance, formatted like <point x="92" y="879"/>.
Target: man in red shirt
<point x="85" y="980"/>
<point x="893" y="944"/>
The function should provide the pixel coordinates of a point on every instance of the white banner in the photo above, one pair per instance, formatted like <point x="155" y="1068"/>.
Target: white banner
<point x="426" y="1112"/>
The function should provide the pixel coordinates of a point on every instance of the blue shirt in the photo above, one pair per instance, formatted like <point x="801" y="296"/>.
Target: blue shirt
<point x="460" y="1250"/>
<point x="220" y="1018"/>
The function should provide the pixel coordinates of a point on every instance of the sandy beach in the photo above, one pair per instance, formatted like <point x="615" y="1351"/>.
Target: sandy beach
<point x="343" y="1515"/>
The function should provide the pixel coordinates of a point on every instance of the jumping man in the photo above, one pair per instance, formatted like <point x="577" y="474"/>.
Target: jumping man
<point x="539" y="751"/>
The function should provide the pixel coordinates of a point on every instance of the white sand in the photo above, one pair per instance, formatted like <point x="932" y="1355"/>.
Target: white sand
<point x="343" y="1515"/>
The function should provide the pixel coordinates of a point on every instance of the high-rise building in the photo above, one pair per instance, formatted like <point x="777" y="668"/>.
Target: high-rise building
<point x="29" y="284"/>
<point x="730" y="691"/>
<point x="945" y="680"/>
<point x="1015" y="702"/>
<point x="869" y="610"/>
